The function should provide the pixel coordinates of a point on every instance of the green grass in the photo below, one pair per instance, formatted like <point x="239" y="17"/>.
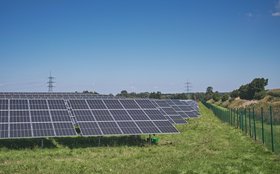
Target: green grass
<point x="205" y="145"/>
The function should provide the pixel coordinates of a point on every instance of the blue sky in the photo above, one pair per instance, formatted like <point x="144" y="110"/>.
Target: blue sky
<point x="139" y="45"/>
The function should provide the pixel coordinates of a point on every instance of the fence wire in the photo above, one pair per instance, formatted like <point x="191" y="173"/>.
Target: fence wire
<point x="258" y="123"/>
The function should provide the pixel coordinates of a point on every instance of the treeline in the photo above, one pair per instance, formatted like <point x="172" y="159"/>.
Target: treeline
<point x="253" y="90"/>
<point x="159" y="95"/>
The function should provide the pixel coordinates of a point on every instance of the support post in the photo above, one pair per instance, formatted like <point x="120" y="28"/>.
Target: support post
<point x="262" y="126"/>
<point x="42" y="143"/>
<point x="271" y="126"/>
<point x="254" y="117"/>
<point x="245" y="115"/>
<point x="250" y="125"/>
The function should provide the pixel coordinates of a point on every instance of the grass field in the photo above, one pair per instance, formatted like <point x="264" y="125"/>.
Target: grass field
<point x="205" y="145"/>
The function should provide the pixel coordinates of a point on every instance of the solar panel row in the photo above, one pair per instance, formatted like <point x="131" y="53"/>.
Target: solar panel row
<point x="23" y="118"/>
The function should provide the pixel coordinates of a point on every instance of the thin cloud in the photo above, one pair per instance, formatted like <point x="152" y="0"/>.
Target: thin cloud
<point x="277" y="9"/>
<point x="276" y="14"/>
<point x="249" y="14"/>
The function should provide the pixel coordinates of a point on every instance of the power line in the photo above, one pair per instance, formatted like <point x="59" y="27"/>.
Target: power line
<point x="51" y="82"/>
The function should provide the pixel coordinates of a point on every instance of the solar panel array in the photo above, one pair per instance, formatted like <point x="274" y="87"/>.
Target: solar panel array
<point x="36" y="115"/>
<point x="176" y="111"/>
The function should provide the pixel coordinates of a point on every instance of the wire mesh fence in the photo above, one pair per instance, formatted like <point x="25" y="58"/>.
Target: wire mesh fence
<point x="259" y="123"/>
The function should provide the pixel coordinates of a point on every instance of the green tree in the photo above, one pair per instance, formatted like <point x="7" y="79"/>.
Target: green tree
<point x="209" y="93"/>
<point x="156" y="95"/>
<point x="234" y="93"/>
<point x="216" y="96"/>
<point x="225" y="97"/>
<point x="253" y="90"/>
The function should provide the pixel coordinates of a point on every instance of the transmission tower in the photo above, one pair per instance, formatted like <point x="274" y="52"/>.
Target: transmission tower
<point x="51" y="82"/>
<point x="188" y="86"/>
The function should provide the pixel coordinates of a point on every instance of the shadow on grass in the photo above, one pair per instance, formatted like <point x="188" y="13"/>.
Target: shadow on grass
<point x="26" y="143"/>
<point x="73" y="142"/>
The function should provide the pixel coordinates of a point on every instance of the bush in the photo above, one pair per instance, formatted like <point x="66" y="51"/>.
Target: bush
<point x="234" y="93"/>
<point x="225" y="98"/>
<point x="259" y="95"/>
<point x="216" y="96"/>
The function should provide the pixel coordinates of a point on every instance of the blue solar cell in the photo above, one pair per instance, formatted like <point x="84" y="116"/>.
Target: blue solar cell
<point x="40" y="116"/>
<point x="38" y="104"/>
<point x="60" y="115"/>
<point x="3" y="104"/>
<point x="120" y="115"/>
<point x="129" y="128"/>
<point x="89" y="128"/>
<point x="42" y="129"/>
<point x="147" y="127"/>
<point x="56" y="104"/>
<point x="3" y="130"/>
<point x="4" y="116"/>
<point x="165" y="127"/>
<point x="20" y="130"/>
<point x="154" y="114"/>
<point x="18" y="104"/>
<point x="78" y="104"/>
<point x="83" y="115"/>
<point x="145" y="104"/>
<point x="109" y="128"/>
<point x="64" y="129"/>
<point x="113" y="104"/>
<point x="138" y="115"/>
<point x="96" y="104"/>
<point x="129" y="104"/>
<point x="19" y="116"/>
<point x="102" y="115"/>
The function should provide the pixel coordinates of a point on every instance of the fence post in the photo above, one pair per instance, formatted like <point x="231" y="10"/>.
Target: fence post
<point x="262" y="126"/>
<point x="255" y="134"/>
<point x="238" y="118"/>
<point x="242" y="121"/>
<point x="250" y="131"/>
<point x="271" y="124"/>
<point x="245" y="113"/>
<point x="233" y="117"/>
